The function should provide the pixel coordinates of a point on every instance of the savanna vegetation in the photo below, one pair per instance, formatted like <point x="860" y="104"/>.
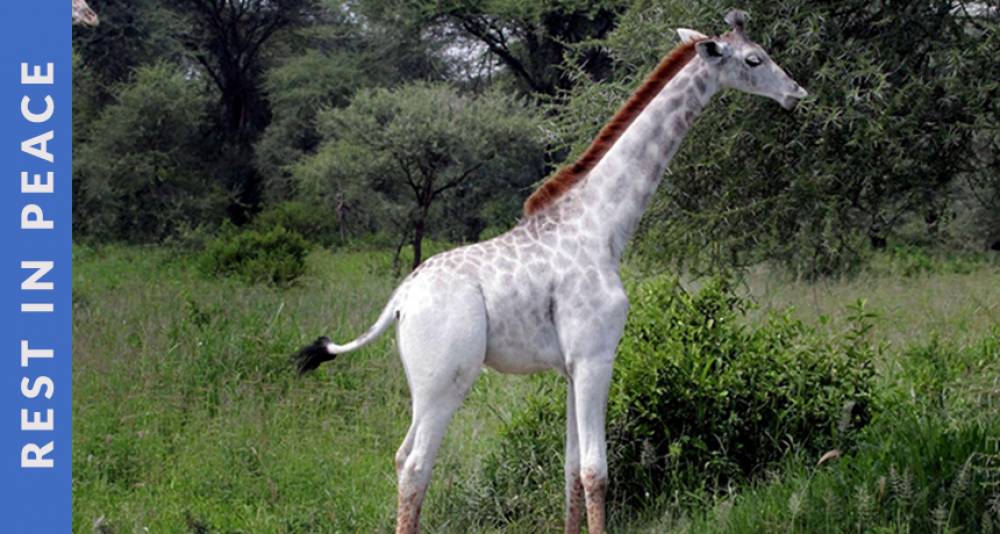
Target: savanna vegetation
<point x="189" y="417"/>
<point x="814" y="342"/>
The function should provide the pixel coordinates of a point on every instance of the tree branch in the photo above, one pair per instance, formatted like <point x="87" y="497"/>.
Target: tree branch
<point x="464" y="176"/>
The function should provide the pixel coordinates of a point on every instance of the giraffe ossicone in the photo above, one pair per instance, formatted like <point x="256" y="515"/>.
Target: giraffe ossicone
<point x="547" y="294"/>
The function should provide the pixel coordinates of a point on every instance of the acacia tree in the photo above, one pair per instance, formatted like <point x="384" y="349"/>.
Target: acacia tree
<point x="348" y="46"/>
<point x="228" y="38"/>
<point x="418" y="144"/>
<point x="297" y="91"/>
<point x="534" y="40"/>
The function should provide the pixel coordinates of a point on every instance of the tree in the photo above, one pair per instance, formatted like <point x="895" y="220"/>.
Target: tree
<point x="142" y="177"/>
<point x="297" y="91"/>
<point x="534" y="40"/>
<point x="227" y="38"/>
<point x="132" y="33"/>
<point x="348" y="46"/>
<point x="419" y="144"/>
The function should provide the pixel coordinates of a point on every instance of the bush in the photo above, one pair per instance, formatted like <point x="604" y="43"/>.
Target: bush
<point x="703" y="398"/>
<point x="926" y="463"/>
<point x="315" y="223"/>
<point x="276" y="256"/>
<point x="699" y="399"/>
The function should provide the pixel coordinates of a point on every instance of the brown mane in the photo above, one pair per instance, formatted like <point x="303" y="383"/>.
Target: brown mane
<point x="567" y="176"/>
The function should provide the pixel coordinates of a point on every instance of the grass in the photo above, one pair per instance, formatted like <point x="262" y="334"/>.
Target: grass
<point x="956" y="307"/>
<point x="188" y="417"/>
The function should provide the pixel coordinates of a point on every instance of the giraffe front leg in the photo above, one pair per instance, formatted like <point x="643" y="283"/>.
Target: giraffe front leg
<point x="574" y="486"/>
<point x="591" y="382"/>
<point x="589" y="332"/>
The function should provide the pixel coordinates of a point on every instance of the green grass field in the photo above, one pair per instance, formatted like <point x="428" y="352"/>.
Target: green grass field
<point x="188" y="416"/>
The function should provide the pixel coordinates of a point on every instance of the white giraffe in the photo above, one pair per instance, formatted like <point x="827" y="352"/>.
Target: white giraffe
<point x="547" y="294"/>
<point x="82" y="14"/>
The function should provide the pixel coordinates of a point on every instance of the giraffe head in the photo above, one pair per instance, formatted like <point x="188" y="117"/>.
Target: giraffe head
<point x="742" y="64"/>
<point x="82" y="14"/>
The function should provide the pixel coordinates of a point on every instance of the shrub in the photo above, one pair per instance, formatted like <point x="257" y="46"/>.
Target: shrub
<point x="702" y="398"/>
<point x="926" y="463"/>
<point x="699" y="399"/>
<point x="315" y="223"/>
<point x="520" y="481"/>
<point x="276" y="256"/>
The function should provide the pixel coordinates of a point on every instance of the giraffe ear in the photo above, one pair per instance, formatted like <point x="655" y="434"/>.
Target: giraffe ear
<point x="688" y="36"/>
<point x="713" y="51"/>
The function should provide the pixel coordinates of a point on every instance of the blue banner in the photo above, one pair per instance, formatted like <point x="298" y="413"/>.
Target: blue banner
<point x="36" y="300"/>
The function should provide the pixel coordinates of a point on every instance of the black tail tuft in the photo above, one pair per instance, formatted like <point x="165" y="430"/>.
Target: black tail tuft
<point x="311" y="356"/>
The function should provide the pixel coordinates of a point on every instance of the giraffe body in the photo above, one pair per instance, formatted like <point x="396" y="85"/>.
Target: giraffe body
<point x="547" y="294"/>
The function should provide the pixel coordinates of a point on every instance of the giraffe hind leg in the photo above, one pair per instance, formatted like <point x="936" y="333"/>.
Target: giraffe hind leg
<point x="443" y="348"/>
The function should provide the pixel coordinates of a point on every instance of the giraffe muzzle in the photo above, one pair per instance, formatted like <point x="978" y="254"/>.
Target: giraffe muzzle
<point x="793" y="98"/>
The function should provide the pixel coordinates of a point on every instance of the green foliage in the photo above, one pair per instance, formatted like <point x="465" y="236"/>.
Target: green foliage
<point x="395" y="44"/>
<point x="699" y="400"/>
<point x="188" y="414"/>
<point x="410" y="150"/>
<point x="896" y="144"/>
<point x="309" y="221"/>
<point x="532" y="39"/>
<point x="298" y="90"/>
<point x="887" y="134"/>
<point x="275" y="256"/>
<point x="86" y="89"/>
<point x="143" y="175"/>
<point x="520" y="480"/>
<point x="230" y="42"/>
<point x="132" y="34"/>
<point x="927" y="463"/>
<point x="696" y="389"/>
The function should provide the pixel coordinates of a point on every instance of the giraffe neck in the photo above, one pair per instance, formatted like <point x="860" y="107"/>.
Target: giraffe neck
<point x="616" y="192"/>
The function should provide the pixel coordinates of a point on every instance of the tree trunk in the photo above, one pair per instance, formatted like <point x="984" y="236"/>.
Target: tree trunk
<point x="420" y="223"/>
<point x="876" y="234"/>
<point x="418" y="238"/>
<point x="395" y="258"/>
<point x="932" y="221"/>
<point x="877" y="241"/>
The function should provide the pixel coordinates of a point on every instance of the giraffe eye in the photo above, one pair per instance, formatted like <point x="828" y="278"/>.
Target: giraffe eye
<point x="753" y="60"/>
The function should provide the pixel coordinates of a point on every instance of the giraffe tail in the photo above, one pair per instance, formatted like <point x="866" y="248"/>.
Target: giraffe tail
<point x="323" y="350"/>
